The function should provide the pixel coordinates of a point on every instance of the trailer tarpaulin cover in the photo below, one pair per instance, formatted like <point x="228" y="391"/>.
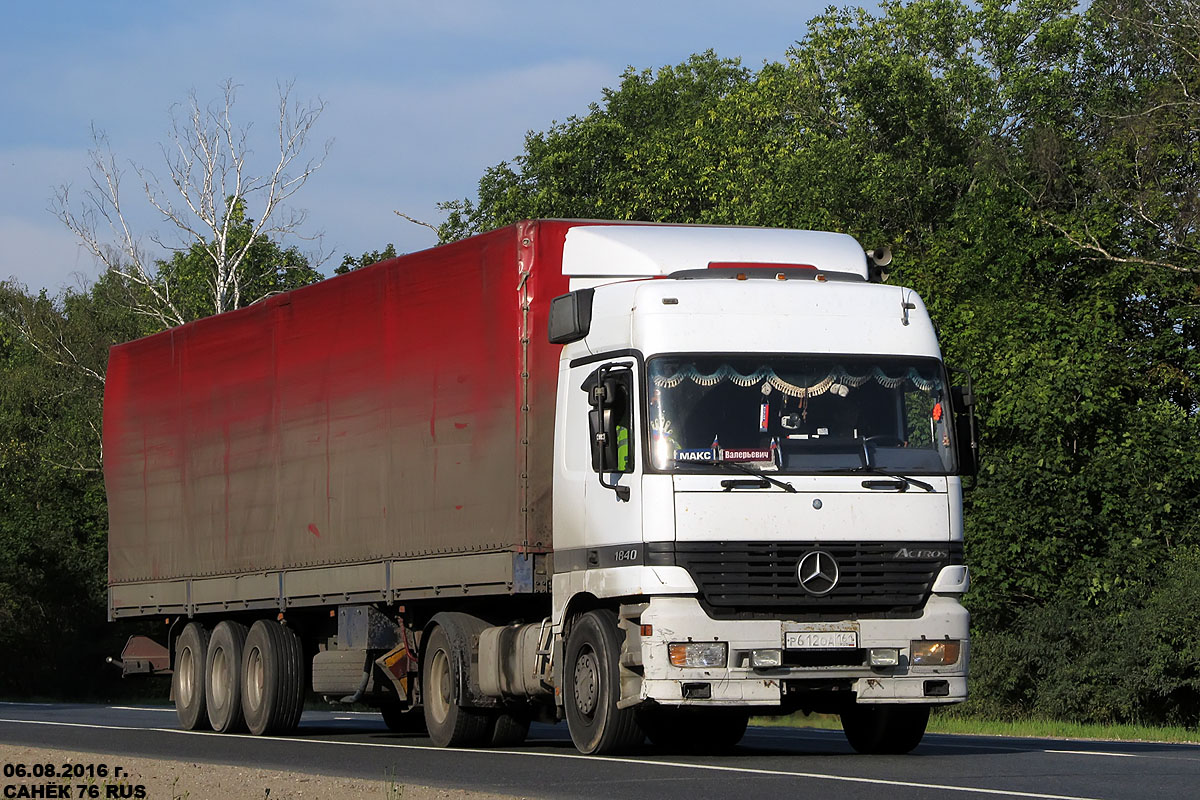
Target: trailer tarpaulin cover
<point x="375" y="415"/>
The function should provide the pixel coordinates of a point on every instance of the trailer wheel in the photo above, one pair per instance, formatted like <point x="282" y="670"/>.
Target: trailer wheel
<point x="449" y="724"/>
<point x="222" y="677"/>
<point x="592" y="687"/>
<point x="885" y="729"/>
<point x="272" y="671"/>
<point x="187" y="682"/>
<point x="694" y="730"/>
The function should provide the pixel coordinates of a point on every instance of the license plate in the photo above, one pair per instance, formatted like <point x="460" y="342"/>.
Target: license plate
<point x="820" y="640"/>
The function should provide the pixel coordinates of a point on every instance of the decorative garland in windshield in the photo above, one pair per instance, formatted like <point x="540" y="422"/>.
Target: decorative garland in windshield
<point x="837" y="375"/>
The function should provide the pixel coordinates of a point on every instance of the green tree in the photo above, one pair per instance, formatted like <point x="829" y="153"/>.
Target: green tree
<point x="1032" y="167"/>
<point x="52" y="514"/>
<point x="266" y="269"/>
<point x="351" y="263"/>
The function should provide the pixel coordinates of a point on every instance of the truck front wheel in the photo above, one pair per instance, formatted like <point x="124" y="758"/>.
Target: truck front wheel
<point x="449" y="724"/>
<point x="885" y="729"/>
<point x="187" y="683"/>
<point x="222" y="677"/>
<point x="272" y="672"/>
<point x="592" y="687"/>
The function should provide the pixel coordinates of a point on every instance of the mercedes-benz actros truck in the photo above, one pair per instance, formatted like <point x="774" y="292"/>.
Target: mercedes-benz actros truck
<point x="647" y="479"/>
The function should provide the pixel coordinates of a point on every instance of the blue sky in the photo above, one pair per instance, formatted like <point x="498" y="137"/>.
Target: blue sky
<point x="421" y="97"/>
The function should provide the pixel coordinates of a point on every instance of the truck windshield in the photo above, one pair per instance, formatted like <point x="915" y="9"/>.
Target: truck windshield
<point x="800" y="414"/>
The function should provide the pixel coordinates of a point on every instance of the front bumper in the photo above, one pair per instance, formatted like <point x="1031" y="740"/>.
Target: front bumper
<point x="682" y="619"/>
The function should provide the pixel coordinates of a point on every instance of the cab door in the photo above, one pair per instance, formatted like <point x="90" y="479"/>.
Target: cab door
<point x="612" y="494"/>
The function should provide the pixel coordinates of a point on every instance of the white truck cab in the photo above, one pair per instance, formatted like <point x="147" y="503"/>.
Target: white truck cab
<point x="758" y="457"/>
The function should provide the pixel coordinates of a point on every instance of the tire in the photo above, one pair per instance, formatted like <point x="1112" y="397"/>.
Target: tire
<point x="508" y="730"/>
<point x="223" y="677"/>
<point x="885" y="729"/>
<point x="449" y="724"/>
<point x="402" y="719"/>
<point x="187" y="680"/>
<point x="272" y="679"/>
<point x="592" y="687"/>
<point x="689" y="729"/>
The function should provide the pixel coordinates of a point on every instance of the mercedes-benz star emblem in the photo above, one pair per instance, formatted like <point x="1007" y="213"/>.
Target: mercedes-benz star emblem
<point x="817" y="572"/>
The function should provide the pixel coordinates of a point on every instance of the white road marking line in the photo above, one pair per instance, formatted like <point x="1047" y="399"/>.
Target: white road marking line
<point x="1095" y="753"/>
<point x="140" y="708"/>
<point x="608" y="759"/>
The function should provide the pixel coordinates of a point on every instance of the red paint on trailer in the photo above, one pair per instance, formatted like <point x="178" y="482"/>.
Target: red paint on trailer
<point x="225" y="439"/>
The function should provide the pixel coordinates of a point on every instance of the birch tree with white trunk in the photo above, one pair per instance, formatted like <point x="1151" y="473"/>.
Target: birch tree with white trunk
<point x="210" y="190"/>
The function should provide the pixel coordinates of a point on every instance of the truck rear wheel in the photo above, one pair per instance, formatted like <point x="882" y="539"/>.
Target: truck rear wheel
<point x="223" y="678"/>
<point x="187" y="682"/>
<point x="272" y="671"/>
<point x="592" y="687"/>
<point x="885" y="729"/>
<point x="449" y="724"/>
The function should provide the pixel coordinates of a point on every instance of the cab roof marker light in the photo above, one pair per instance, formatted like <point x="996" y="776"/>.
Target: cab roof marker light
<point x="740" y="265"/>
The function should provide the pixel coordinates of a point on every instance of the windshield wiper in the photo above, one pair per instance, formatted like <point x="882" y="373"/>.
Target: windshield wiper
<point x="864" y="453"/>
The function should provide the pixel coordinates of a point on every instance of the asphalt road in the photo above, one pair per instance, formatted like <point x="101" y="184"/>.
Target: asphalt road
<point x="770" y="762"/>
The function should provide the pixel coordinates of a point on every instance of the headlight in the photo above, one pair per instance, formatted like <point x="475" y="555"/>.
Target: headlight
<point x="699" y="654"/>
<point x="929" y="653"/>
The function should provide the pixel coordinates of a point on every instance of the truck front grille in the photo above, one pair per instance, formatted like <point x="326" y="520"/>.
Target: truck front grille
<point x="739" y="579"/>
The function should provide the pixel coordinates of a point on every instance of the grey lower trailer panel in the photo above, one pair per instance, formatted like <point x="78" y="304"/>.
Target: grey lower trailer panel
<point x="386" y="581"/>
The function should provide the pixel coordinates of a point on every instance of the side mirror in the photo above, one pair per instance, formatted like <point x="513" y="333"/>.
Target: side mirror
<point x="609" y="422"/>
<point x="603" y="440"/>
<point x="962" y="405"/>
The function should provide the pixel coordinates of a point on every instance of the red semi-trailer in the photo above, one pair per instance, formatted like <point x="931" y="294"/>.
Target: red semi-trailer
<point x="392" y="487"/>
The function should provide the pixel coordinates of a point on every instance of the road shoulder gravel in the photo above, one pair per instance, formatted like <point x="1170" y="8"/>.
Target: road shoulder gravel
<point x="163" y="779"/>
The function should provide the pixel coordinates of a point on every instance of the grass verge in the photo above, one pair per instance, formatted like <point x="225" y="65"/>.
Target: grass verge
<point x="1027" y="727"/>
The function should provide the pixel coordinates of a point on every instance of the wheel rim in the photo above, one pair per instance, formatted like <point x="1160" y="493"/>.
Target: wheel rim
<point x="439" y="695"/>
<point x="587" y="682"/>
<point x="255" y="678"/>
<point x="187" y="686"/>
<point x="220" y="680"/>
